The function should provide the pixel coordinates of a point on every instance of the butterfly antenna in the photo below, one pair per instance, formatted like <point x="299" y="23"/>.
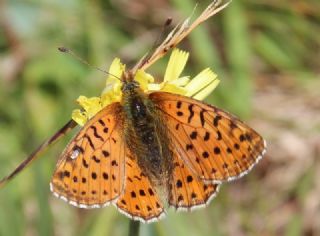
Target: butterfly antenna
<point x="69" y="51"/>
<point x="63" y="131"/>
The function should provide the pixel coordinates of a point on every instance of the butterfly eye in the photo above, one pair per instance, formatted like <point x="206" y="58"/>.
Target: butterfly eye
<point x="129" y="86"/>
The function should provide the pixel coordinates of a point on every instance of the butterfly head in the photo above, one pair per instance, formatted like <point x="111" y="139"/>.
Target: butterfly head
<point x="128" y="82"/>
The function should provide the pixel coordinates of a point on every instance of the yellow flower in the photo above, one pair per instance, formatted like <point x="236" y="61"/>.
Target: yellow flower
<point x="199" y="87"/>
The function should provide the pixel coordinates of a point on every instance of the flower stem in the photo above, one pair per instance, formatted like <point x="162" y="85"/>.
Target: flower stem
<point x="134" y="228"/>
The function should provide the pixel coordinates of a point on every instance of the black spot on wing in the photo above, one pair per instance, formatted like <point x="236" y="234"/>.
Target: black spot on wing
<point x="193" y="135"/>
<point x="105" y="153"/>
<point x="206" y="136"/>
<point x="105" y="176"/>
<point x="179" y="103"/>
<point x="101" y="122"/>
<point x="93" y="175"/>
<point x="216" y="120"/>
<point x="219" y="136"/>
<point x="179" y="113"/>
<point x="190" y="107"/>
<point x="95" y="133"/>
<point x="216" y="150"/>
<point x="84" y="163"/>
<point x="202" y="117"/>
<point x="97" y="160"/>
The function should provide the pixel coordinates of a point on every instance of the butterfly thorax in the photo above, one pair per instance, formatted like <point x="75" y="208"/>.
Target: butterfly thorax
<point x="145" y="134"/>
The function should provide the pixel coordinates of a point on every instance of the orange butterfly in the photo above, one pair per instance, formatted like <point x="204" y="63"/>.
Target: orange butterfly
<point x="153" y="150"/>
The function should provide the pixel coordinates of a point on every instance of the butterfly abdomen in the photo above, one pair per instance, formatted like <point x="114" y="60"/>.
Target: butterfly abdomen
<point x="145" y="136"/>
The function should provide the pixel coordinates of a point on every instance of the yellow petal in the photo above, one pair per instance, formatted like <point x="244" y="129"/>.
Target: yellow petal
<point x="116" y="69"/>
<point x="106" y="99"/>
<point x="90" y="105"/>
<point x="182" y="81"/>
<point x="171" y="88"/>
<point x="79" y="117"/>
<point x="154" y="87"/>
<point x="87" y="103"/>
<point x="113" y="82"/>
<point x="176" y="64"/>
<point x="110" y="97"/>
<point x="143" y="79"/>
<point x="207" y="90"/>
<point x="202" y="80"/>
<point x="83" y="101"/>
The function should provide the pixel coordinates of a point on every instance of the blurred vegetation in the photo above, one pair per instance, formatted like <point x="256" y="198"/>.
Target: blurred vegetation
<point x="251" y="45"/>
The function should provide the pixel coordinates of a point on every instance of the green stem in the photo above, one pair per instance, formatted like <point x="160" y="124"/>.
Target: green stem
<point x="134" y="228"/>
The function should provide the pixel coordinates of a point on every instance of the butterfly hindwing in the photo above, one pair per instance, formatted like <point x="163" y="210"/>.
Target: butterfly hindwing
<point x="215" y="145"/>
<point x="139" y="200"/>
<point x="188" y="191"/>
<point x="90" y="171"/>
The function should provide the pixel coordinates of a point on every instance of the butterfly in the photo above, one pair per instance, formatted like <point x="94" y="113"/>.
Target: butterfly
<point x="152" y="150"/>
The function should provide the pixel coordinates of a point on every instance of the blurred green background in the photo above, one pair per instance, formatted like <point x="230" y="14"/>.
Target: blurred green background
<point x="267" y="55"/>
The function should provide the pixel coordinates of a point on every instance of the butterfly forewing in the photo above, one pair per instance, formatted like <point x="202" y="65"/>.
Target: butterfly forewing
<point x="90" y="172"/>
<point x="215" y="145"/>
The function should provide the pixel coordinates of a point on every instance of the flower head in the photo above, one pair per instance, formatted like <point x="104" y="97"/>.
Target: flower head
<point x="199" y="87"/>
